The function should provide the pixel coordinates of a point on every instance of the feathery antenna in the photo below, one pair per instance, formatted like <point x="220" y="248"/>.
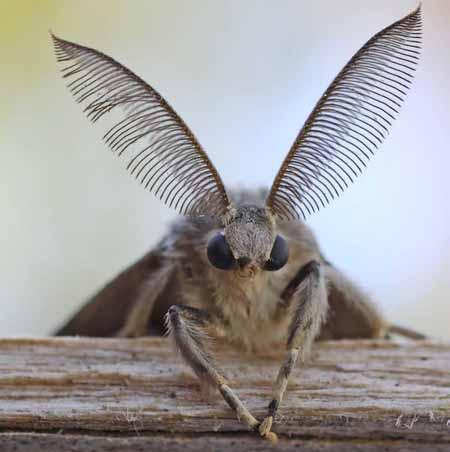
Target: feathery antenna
<point x="349" y="122"/>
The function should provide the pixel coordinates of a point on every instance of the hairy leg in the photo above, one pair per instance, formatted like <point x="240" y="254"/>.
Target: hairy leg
<point x="305" y="299"/>
<point x="190" y="328"/>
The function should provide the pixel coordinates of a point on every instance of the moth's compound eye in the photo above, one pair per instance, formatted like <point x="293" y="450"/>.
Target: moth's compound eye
<point x="219" y="253"/>
<point x="279" y="255"/>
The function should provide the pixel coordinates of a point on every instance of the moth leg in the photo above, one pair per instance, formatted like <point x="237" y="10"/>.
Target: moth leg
<point x="305" y="298"/>
<point x="190" y="328"/>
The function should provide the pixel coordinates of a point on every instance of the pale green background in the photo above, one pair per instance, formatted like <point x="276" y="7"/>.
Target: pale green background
<point x="244" y="75"/>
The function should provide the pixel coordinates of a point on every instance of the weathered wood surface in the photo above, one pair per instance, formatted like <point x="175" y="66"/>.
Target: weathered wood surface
<point x="110" y="394"/>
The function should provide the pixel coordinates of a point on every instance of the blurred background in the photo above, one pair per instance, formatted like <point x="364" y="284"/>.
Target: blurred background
<point x="244" y="76"/>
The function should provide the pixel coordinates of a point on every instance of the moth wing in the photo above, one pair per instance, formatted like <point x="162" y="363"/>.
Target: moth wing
<point x="353" y="315"/>
<point x="351" y="312"/>
<point x="141" y="292"/>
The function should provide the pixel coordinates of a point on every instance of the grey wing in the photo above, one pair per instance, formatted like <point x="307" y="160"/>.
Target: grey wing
<point x="132" y="304"/>
<point x="353" y="315"/>
<point x="351" y="312"/>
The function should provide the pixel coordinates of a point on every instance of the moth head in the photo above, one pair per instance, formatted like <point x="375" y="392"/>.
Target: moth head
<point x="248" y="242"/>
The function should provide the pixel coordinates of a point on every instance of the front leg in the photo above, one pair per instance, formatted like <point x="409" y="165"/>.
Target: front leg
<point x="305" y="299"/>
<point x="189" y="327"/>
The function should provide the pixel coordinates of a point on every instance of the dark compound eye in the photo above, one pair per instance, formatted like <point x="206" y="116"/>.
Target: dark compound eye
<point x="279" y="255"/>
<point x="219" y="253"/>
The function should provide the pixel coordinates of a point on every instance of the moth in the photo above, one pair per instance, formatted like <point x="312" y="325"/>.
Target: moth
<point x="242" y="267"/>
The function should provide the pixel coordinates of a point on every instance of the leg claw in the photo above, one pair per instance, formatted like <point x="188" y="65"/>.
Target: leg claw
<point x="265" y="427"/>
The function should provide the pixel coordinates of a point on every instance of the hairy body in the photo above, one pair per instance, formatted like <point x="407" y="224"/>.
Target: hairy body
<point x="248" y="309"/>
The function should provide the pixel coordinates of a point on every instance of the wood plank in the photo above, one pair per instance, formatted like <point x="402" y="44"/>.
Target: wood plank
<point x="353" y="392"/>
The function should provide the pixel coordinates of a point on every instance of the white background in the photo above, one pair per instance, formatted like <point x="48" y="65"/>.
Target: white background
<point x="244" y="76"/>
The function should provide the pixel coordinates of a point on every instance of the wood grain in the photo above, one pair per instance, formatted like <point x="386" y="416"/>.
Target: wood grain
<point x="136" y="394"/>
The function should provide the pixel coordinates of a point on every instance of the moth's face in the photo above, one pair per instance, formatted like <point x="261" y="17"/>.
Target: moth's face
<point x="248" y="243"/>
